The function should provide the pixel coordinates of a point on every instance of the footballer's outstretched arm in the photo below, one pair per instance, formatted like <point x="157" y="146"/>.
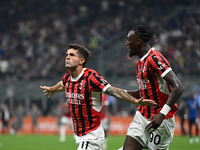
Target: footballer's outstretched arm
<point x="134" y="93"/>
<point x="49" y="91"/>
<point x="122" y="95"/>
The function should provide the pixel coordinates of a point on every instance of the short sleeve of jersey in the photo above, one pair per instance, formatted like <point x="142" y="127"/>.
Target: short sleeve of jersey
<point x="160" y="64"/>
<point x="99" y="83"/>
<point x="63" y="81"/>
<point x="64" y="78"/>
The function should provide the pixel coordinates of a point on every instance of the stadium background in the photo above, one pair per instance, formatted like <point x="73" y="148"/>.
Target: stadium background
<point x="34" y="35"/>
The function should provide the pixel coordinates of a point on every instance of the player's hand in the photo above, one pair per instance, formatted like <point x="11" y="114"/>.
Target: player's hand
<point x="47" y="91"/>
<point x="156" y="121"/>
<point x="146" y="102"/>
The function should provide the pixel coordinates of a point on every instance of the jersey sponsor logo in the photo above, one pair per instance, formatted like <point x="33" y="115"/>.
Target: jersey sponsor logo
<point x="74" y="98"/>
<point x="142" y="83"/>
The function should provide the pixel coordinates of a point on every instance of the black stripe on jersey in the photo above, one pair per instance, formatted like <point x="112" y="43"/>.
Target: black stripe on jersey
<point x="175" y="106"/>
<point x="80" y="109"/>
<point x="140" y="91"/>
<point x="153" y="90"/>
<point x="87" y="100"/>
<point x="164" y="60"/>
<point x="140" y="107"/>
<point x="73" y="109"/>
<point x="160" y="67"/>
<point x="100" y="79"/>
<point x="146" y="93"/>
<point x="66" y="77"/>
<point x="94" y="85"/>
<point x="145" y="90"/>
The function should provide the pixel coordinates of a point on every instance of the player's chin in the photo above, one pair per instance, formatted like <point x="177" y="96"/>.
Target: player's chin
<point x="131" y="54"/>
<point x="67" y="66"/>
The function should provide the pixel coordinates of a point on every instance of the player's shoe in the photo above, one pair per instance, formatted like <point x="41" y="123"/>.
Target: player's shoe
<point x="197" y="139"/>
<point x="191" y="141"/>
<point x="62" y="140"/>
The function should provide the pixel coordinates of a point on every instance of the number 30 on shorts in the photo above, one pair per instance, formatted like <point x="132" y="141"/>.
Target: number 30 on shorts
<point x="155" y="138"/>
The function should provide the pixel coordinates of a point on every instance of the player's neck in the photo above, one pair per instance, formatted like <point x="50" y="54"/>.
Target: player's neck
<point x="144" y="50"/>
<point x="75" y="72"/>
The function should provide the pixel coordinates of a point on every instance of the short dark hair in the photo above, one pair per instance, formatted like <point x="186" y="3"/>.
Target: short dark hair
<point x="144" y="32"/>
<point x="84" y="52"/>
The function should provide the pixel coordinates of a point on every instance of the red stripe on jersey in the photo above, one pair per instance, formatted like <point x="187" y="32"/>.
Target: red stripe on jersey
<point x="150" y="83"/>
<point x="65" y="109"/>
<point x="81" y="101"/>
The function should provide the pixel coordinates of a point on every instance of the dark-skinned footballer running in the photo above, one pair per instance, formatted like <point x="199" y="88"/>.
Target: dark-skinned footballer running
<point x="152" y="126"/>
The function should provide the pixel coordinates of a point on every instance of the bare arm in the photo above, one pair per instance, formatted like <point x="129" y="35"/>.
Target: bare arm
<point x="122" y="95"/>
<point x="176" y="92"/>
<point x="51" y="90"/>
<point x="177" y="88"/>
<point x="134" y="93"/>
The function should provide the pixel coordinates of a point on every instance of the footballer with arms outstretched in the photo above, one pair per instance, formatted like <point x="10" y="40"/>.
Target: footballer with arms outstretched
<point x="83" y="88"/>
<point x="152" y="126"/>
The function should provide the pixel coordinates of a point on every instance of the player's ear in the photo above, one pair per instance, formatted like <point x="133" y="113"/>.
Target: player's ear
<point x="139" y="41"/>
<point x="82" y="61"/>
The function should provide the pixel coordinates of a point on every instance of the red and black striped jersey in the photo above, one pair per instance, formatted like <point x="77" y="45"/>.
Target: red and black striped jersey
<point x="84" y="94"/>
<point x="150" y="70"/>
<point x="105" y="104"/>
<point x="65" y="110"/>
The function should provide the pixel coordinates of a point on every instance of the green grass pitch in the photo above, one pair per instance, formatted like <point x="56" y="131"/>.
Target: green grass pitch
<point x="51" y="142"/>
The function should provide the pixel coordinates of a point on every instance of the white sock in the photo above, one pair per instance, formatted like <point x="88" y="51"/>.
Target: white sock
<point x="62" y="132"/>
<point x="104" y="146"/>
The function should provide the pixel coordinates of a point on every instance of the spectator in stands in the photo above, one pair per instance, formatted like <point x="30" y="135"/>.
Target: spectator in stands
<point x="26" y="41"/>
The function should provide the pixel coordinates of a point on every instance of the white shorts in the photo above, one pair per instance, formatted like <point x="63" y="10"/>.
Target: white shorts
<point x="158" y="139"/>
<point x="66" y="120"/>
<point x="91" y="141"/>
<point x="105" y="123"/>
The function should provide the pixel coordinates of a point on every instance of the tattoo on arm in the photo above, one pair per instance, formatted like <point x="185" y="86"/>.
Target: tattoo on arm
<point x="120" y="94"/>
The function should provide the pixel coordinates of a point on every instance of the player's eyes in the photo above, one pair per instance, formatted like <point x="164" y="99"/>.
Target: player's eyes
<point x="71" y="54"/>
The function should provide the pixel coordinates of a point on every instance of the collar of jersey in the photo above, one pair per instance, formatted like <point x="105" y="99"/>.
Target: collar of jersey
<point x="78" y="77"/>
<point x="141" y="59"/>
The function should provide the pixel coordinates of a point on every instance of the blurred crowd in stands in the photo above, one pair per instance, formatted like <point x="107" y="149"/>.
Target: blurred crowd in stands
<point x="34" y="34"/>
